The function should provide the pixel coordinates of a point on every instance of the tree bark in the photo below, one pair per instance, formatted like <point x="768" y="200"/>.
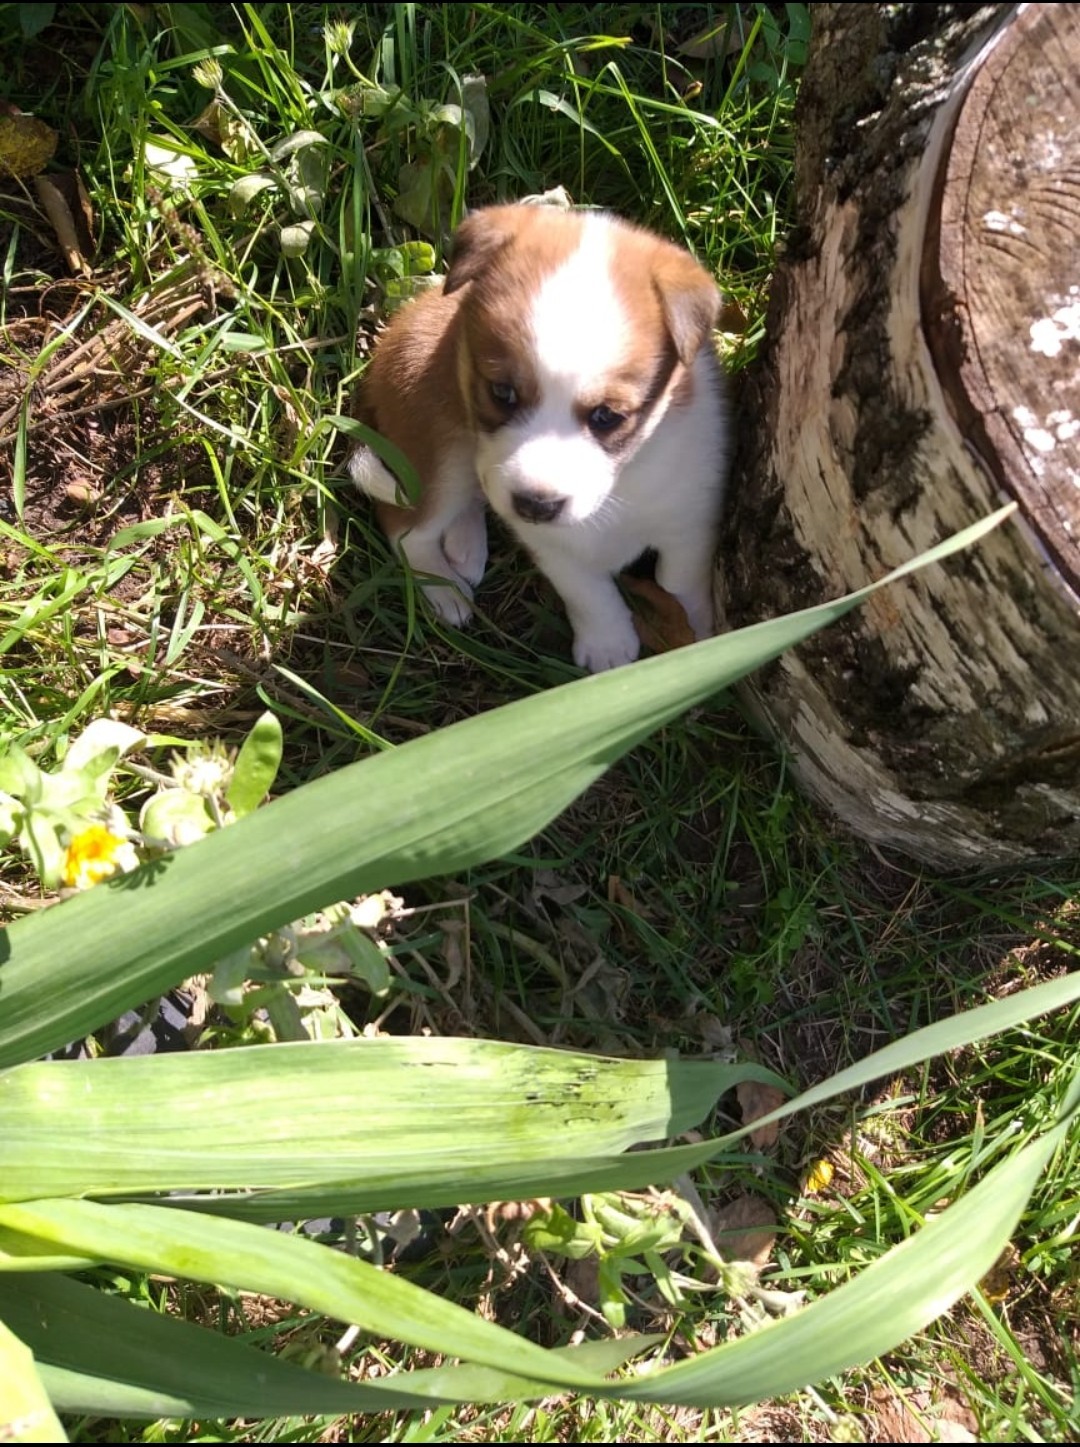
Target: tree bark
<point x="922" y="364"/>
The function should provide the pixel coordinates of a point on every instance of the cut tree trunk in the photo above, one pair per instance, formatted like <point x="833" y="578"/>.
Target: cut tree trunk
<point x="923" y="365"/>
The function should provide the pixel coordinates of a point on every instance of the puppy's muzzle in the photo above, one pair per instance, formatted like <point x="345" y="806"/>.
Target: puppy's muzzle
<point x="537" y="507"/>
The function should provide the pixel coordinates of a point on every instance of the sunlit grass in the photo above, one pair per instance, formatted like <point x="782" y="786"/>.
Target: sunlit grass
<point x="217" y="565"/>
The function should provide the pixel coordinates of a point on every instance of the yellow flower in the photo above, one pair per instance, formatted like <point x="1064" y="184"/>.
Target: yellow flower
<point x="1000" y="1279"/>
<point x="96" y="854"/>
<point x="819" y="1178"/>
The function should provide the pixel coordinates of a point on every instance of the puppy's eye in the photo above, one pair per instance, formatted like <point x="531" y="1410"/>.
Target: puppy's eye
<point x="603" y="419"/>
<point x="503" y="393"/>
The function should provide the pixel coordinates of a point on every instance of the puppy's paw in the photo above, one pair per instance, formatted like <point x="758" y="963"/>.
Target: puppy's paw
<point x="450" y="601"/>
<point x="466" y="546"/>
<point x="608" y="644"/>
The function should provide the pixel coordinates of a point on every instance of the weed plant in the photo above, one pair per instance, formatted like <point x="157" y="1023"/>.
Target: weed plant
<point x="261" y="184"/>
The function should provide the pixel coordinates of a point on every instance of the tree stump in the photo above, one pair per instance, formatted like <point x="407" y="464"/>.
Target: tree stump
<point x="922" y="366"/>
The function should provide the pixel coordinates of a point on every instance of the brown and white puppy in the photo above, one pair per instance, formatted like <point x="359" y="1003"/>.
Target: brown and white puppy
<point x="565" y="374"/>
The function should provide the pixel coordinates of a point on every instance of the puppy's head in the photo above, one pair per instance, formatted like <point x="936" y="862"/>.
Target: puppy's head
<point x="577" y="335"/>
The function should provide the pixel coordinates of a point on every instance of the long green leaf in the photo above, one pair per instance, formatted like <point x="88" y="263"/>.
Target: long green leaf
<point x="234" y="1253"/>
<point x="285" y="1120"/>
<point x="951" y="1033"/>
<point x="438" y="804"/>
<point x="101" y="1354"/>
<point x="888" y="1302"/>
<point x="410" y="1117"/>
<point x="516" y="1180"/>
<point x="588" y="1170"/>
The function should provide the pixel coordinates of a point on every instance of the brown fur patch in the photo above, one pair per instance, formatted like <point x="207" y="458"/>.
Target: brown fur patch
<point x="409" y="393"/>
<point x="543" y="238"/>
<point x="662" y="286"/>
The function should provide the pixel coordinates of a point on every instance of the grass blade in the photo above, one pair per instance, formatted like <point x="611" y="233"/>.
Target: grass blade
<point x="886" y="1304"/>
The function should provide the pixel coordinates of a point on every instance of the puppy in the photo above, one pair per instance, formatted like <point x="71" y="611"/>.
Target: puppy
<point x="565" y="374"/>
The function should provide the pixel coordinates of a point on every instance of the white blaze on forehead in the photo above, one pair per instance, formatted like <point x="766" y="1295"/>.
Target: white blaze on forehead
<point x="578" y="324"/>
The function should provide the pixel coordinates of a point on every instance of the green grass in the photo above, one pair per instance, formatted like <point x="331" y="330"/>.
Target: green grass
<point x="212" y="564"/>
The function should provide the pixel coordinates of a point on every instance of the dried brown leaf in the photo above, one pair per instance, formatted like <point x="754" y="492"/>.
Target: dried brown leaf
<point x="732" y="318"/>
<point x="82" y="492"/>
<point x="619" y="893"/>
<point x="715" y="1035"/>
<point x="953" y="1431"/>
<point x="225" y="130"/>
<point x="915" y="1417"/>
<point x="549" y="884"/>
<point x="59" y="212"/>
<point x="746" y="1229"/>
<point x="756" y="1100"/>
<point x="452" y="950"/>
<point x="601" y="992"/>
<point x="998" y="1281"/>
<point x="893" y="1422"/>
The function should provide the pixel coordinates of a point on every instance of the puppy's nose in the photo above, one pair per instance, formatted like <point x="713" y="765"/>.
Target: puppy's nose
<point x="537" y="507"/>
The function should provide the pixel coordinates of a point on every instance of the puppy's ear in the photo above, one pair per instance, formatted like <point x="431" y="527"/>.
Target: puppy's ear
<point x="689" y="299"/>
<point x="478" y="239"/>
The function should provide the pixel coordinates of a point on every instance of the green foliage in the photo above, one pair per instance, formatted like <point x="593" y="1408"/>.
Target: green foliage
<point x="557" y="1121"/>
<point x="208" y="570"/>
<point x="630" y="1236"/>
<point x="43" y="812"/>
<point x="489" y="783"/>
